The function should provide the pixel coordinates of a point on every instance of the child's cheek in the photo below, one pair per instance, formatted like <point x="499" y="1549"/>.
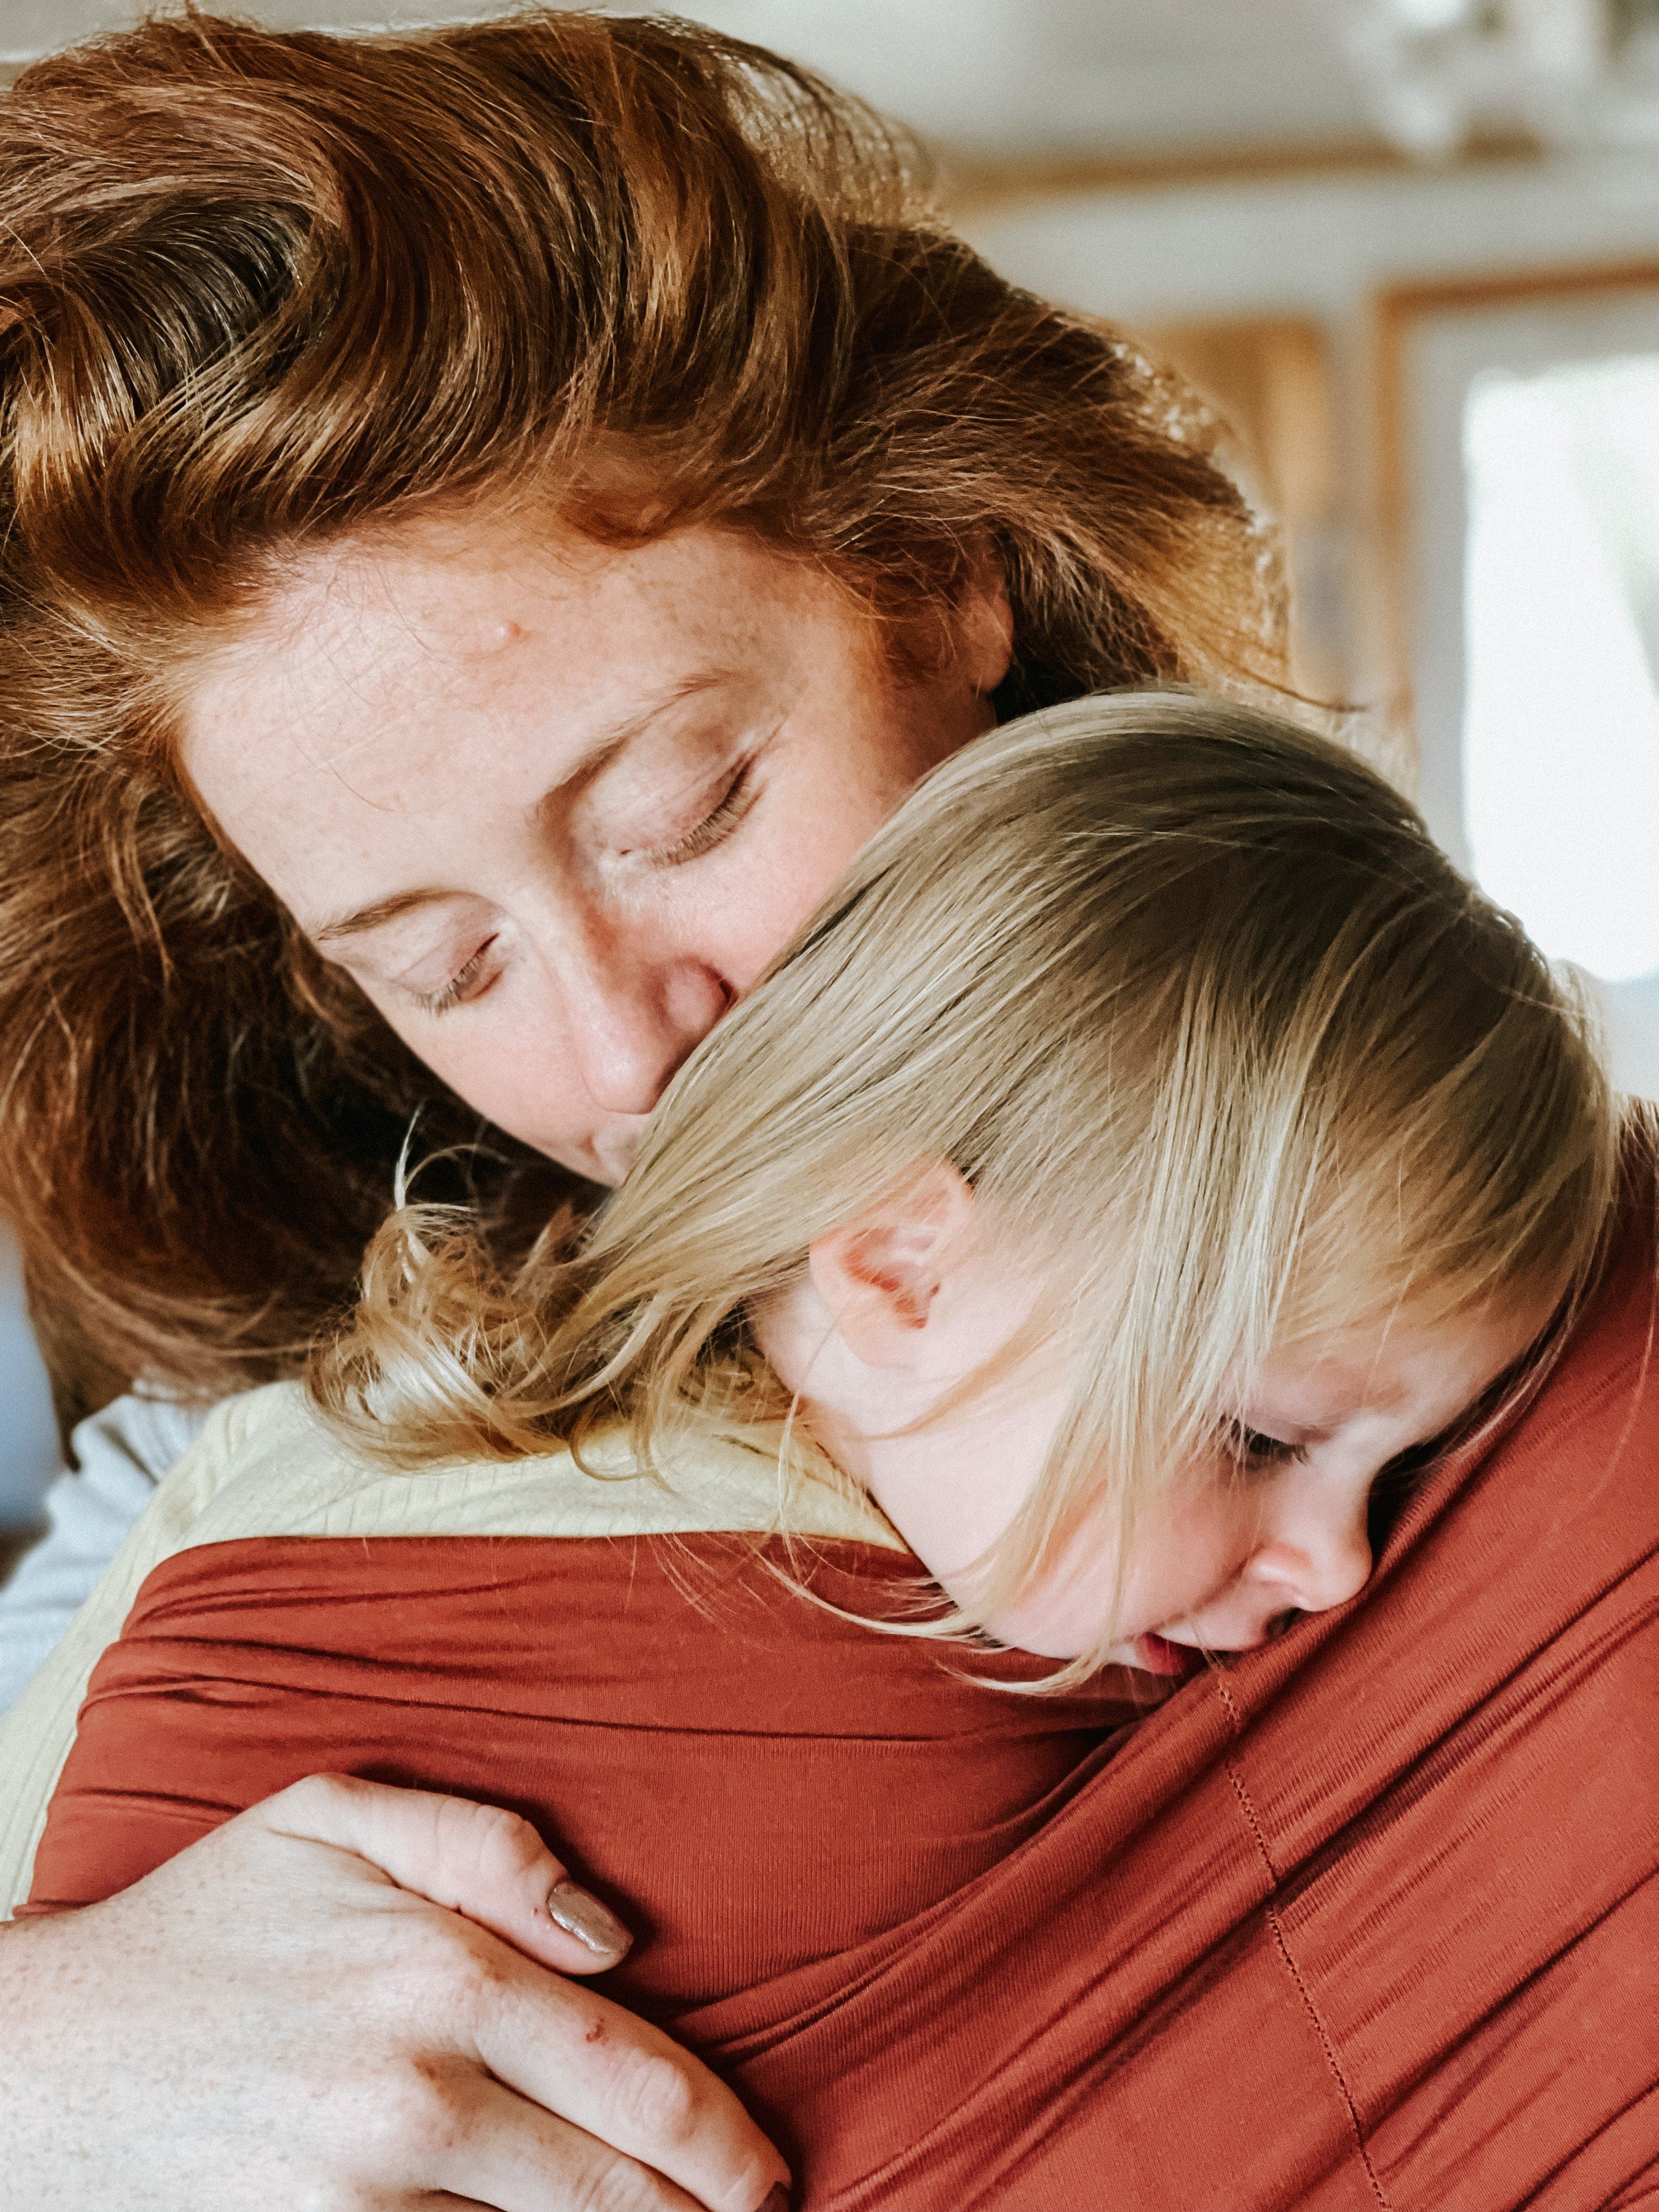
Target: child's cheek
<point x="1189" y="1545"/>
<point x="1067" y="1609"/>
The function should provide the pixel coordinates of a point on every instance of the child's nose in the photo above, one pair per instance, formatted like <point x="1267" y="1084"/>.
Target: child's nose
<point x="1315" y="1548"/>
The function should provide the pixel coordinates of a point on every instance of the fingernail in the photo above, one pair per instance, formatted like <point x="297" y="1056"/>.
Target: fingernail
<point x="587" y="1920"/>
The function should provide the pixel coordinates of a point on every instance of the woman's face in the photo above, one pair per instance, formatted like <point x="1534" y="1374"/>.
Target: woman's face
<point x="555" y="807"/>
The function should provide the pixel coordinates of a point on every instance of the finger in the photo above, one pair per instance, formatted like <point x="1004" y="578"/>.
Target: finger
<point x="615" y="2077"/>
<point x="514" y="2157"/>
<point x="478" y="1859"/>
<point x="578" y="2056"/>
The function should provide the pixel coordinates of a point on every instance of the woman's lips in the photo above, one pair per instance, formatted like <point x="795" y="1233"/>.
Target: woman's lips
<point x="1159" y="1657"/>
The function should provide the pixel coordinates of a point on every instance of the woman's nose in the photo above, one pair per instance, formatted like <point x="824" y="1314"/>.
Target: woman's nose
<point x="633" y="1021"/>
<point x="1315" y="1548"/>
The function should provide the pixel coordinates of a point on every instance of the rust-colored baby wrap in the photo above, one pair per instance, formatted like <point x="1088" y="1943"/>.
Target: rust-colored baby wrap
<point x="1367" y="1919"/>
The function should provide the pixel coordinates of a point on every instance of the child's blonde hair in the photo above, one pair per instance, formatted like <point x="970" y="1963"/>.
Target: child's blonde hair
<point x="1192" y="1001"/>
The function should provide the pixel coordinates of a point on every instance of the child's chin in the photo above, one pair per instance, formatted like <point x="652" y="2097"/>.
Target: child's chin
<point x="1157" y="1655"/>
<point x="1043" y="1639"/>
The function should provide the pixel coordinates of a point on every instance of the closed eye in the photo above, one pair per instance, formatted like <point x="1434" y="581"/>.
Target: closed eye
<point x="715" y="826"/>
<point x="467" y="982"/>
<point x="1254" y="1448"/>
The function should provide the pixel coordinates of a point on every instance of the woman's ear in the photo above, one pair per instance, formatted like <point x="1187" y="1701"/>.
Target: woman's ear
<point x="984" y="621"/>
<point x="880" y="1274"/>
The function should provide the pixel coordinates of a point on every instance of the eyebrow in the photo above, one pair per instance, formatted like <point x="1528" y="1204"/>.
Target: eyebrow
<point x="592" y="762"/>
<point x="375" y="915"/>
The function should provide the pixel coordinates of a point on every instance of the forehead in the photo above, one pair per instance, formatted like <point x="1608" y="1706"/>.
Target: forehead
<point x="362" y="658"/>
<point x="394" y="712"/>
<point x="1397" y="1362"/>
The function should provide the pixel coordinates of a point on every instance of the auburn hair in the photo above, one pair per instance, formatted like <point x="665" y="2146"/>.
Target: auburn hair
<point x="261" y="291"/>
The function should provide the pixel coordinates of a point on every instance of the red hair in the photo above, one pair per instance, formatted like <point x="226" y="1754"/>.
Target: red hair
<point x="261" y="290"/>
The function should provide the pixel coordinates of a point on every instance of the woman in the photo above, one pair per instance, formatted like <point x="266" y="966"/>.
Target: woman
<point x="492" y="522"/>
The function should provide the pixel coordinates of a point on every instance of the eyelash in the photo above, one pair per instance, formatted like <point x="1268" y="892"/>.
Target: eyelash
<point x="1251" y="1448"/>
<point x="718" y="823"/>
<point x="454" y="991"/>
<point x="715" y="826"/>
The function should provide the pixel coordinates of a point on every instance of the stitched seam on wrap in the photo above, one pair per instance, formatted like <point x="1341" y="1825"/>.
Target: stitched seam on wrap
<point x="1332" y="2060"/>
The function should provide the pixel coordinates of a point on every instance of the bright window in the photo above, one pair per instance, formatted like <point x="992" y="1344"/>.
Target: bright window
<point x="1561" y="717"/>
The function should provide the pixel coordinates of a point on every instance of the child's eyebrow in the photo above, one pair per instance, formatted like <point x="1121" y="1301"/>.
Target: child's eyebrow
<point x="1341" y="1394"/>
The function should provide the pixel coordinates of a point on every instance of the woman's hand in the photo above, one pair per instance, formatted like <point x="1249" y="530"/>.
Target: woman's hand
<point x="286" y="2013"/>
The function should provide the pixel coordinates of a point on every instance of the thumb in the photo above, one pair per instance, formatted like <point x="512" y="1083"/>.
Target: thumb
<point x="478" y="1860"/>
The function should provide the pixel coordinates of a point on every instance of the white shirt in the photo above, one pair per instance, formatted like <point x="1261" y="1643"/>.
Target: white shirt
<point x="119" y="1456"/>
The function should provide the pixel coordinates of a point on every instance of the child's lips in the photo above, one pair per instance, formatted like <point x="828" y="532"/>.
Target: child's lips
<point x="1159" y="1657"/>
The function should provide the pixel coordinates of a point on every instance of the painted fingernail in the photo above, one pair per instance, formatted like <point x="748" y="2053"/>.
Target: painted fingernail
<point x="587" y="1920"/>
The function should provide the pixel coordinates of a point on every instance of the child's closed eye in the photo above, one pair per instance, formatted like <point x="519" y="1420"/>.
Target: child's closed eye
<point x="1254" y="1448"/>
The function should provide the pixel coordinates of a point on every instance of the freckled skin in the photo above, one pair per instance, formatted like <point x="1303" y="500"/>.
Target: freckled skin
<point x="416" y="719"/>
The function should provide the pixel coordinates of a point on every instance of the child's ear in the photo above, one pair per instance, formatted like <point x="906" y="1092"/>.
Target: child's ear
<point x="880" y="1274"/>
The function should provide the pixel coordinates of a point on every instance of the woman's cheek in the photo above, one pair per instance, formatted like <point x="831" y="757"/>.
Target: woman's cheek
<point x="1053" y="1627"/>
<point x="778" y="880"/>
<point x="520" y="1081"/>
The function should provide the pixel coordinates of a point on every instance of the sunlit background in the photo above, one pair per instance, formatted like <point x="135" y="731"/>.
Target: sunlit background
<point x="1410" y="249"/>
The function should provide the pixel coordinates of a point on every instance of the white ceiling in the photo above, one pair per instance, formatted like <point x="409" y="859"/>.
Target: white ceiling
<point x="1009" y="76"/>
<point x="998" y="78"/>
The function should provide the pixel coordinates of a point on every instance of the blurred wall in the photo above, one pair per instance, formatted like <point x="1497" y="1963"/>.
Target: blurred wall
<point x="1325" y="248"/>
